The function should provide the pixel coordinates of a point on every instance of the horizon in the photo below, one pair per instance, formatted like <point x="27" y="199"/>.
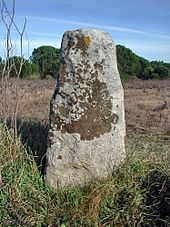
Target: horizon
<point x="142" y="27"/>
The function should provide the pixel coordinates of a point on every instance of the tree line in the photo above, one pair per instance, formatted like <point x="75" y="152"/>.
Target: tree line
<point x="133" y="66"/>
<point x="44" y="63"/>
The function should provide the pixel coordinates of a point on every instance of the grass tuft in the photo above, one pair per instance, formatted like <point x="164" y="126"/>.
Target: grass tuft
<point x="138" y="194"/>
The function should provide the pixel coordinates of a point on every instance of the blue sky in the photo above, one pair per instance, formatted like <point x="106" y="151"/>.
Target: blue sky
<point x="141" y="25"/>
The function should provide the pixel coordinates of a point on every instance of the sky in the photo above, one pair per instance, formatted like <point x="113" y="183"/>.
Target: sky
<point x="141" y="25"/>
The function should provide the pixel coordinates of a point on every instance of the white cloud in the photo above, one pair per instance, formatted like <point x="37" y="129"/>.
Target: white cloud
<point x="101" y="26"/>
<point x="147" y="46"/>
<point x="157" y="46"/>
<point x="45" y="34"/>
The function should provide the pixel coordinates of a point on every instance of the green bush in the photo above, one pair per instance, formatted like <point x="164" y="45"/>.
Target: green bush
<point x="19" y="67"/>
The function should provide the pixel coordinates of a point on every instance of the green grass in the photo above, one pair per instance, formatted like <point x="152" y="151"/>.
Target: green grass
<point x="138" y="194"/>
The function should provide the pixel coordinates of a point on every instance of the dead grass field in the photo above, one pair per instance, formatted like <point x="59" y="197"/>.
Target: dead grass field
<point x="137" y="195"/>
<point x="147" y="103"/>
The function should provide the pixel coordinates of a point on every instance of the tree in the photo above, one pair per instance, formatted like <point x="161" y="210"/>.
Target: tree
<point x="47" y="59"/>
<point x="132" y="66"/>
<point x="161" y="68"/>
<point x="129" y="64"/>
<point x="27" y="70"/>
<point x="162" y="71"/>
<point x="147" y="72"/>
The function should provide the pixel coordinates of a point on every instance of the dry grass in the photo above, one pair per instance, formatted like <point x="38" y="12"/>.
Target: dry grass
<point x="137" y="195"/>
<point x="147" y="103"/>
<point x="34" y="98"/>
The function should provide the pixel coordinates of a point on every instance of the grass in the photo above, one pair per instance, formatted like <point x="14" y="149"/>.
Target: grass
<point x="138" y="194"/>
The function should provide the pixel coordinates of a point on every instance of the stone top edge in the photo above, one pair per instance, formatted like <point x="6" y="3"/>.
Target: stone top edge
<point x="94" y="32"/>
<point x="85" y="30"/>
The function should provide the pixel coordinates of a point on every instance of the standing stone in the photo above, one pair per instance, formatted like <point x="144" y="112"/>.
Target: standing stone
<point x="87" y="126"/>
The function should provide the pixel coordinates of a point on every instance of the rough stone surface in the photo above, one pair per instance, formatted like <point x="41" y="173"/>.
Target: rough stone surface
<point x="87" y="127"/>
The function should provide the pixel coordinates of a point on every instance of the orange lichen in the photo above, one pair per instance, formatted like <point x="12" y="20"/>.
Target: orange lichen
<point x="82" y="44"/>
<point x="87" y="40"/>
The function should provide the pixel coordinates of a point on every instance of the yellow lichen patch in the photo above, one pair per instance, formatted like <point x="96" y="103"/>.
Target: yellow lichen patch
<point x="87" y="40"/>
<point x="82" y="44"/>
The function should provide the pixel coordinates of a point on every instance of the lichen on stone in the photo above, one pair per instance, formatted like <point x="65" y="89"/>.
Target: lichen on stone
<point x="82" y="44"/>
<point x="87" y="40"/>
<point x="88" y="110"/>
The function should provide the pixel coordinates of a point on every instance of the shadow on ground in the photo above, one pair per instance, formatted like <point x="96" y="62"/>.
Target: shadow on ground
<point x="157" y="199"/>
<point x="34" y="136"/>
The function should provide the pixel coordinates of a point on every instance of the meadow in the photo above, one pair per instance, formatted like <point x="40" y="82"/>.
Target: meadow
<point x="138" y="194"/>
